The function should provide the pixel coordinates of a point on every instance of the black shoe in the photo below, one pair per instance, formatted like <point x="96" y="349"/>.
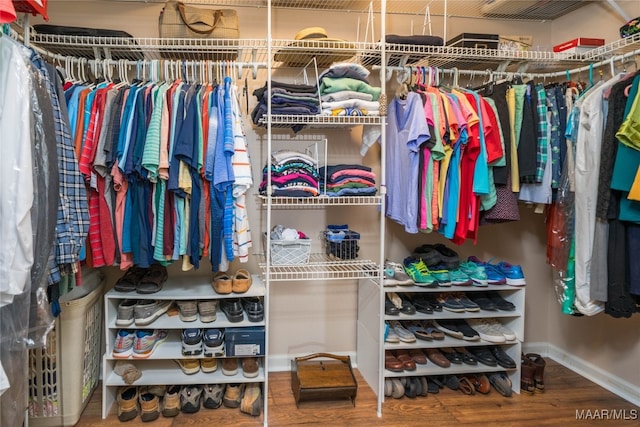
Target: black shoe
<point x="254" y="308"/>
<point x="500" y="302"/>
<point x="449" y="327"/>
<point x="232" y="308"/>
<point x="483" y="301"/>
<point x="468" y="333"/>
<point x="451" y="355"/>
<point x="484" y="355"/>
<point x="502" y="358"/>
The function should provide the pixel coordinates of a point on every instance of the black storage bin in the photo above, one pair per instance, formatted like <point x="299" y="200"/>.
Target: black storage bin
<point x="475" y="40"/>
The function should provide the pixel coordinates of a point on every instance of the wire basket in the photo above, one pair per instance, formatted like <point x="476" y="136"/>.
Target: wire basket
<point x="289" y="252"/>
<point x="341" y="245"/>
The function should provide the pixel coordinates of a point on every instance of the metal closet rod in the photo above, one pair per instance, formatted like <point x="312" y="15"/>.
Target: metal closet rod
<point x="452" y="71"/>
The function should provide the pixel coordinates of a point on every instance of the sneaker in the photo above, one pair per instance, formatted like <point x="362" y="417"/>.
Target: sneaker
<point x="450" y="303"/>
<point x="442" y="276"/>
<point x="188" y="310"/>
<point x="128" y="405"/>
<point x="146" y="311"/>
<point x="449" y="328"/>
<point x="125" y="312"/>
<point x="189" y="366"/>
<point x="513" y="273"/>
<point x="191" y="342"/>
<point x="395" y="275"/>
<point x="403" y="333"/>
<point x="212" y="395"/>
<point x="233" y="395"/>
<point x="230" y="366"/>
<point x="498" y="327"/>
<point x="500" y="302"/>
<point x="466" y="302"/>
<point x="146" y="341"/>
<point x="208" y="364"/>
<point x="250" y="367"/>
<point x="468" y="333"/>
<point x="251" y="400"/>
<point x="390" y="335"/>
<point x="494" y="275"/>
<point x="476" y="273"/>
<point x="419" y="272"/>
<point x="486" y="331"/>
<point x="459" y="278"/>
<point x="213" y="340"/>
<point x="123" y="347"/>
<point x="483" y="301"/>
<point x="208" y="310"/>
<point x="190" y="397"/>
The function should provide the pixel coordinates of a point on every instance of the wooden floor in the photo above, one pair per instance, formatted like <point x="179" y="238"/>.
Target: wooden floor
<point x="566" y="393"/>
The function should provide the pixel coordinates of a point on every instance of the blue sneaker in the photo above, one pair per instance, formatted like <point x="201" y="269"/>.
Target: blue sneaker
<point x="441" y="275"/>
<point x="476" y="273"/>
<point x="191" y="342"/>
<point x="213" y="343"/>
<point x="513" y="273"/>
<point x="494" y="275"/>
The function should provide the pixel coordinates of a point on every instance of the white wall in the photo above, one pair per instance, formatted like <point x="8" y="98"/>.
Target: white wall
<point x="307" y="317"/>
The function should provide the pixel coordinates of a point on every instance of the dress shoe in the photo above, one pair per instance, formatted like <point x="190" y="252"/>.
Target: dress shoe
<point x="451" y="355"/>
<point x="407" y="361"/>
<point x="467" y="358"/>
<point x="437" y="357"/>
<point x="502" y="358"/>
<point x="418" y="356"/>
<point x="484" y="355"/>
<point x="392" y="363"/>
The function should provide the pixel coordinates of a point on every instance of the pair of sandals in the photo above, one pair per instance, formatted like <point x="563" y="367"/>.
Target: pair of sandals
<point x="143" y="280"/>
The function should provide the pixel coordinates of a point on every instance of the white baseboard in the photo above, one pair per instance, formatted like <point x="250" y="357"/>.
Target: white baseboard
<point x="282" y="362"/>
<point x="614" y="384"/>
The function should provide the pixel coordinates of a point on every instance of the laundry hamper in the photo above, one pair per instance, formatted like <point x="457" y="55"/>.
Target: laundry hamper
<point x="64" y="373"/>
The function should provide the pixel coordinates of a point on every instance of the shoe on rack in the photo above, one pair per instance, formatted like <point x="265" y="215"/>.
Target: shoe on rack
<point x="190" y="397"/>
<point x="459" y="278"/>
<point x="250" y="367"/>
<point x="468" y="333"/>
<point x="212" y="395"/>
<point x="392" y="363"/>
<point x="419" y="272"/>
<point x="127" y="371"/>
<point x="208" y="310"/>
<point x="421" y="305"/>
<point x="483" y="355"/>
<point x="467" y="358"/>
<point x="431" y="329"/>
<point x="192" y="342"/>
<point x="490" y="325"/>
<point x="428" y="254"/>
<point x="390" y="336"/>
<point x="125" y="316"/>
<point x="476" y="273"/>
<point x="233" y="395"/>
<point x="241" y="281"/>
<point x="209" y="364"/>
<point x="483" y="301"/>
<point x="390" y="308"/>
<point x="449" y="328"/>
<point x="189" y="366"/>
<point x="442" y="276"/>
<point x="513" y="273"/>
<point x="148" y="310"/>
<point x="232" y="308"/>
<point x="403" y="334"/>
<point x="451" y="355"/>
<point x="466" y="302"/>
<point x="501" y="303"/>
<point x="222" y="283"/>
<point x="254" y="308"/>
<point x="450" y="302"/>
<point x="436" y="356"/>
<point x="230" y="366"/>
<point x="251" y="400"/>
<point x="487" y="331"/>
<point x="408" y="364"/>
<point x="146" y="341"/>
<point x="187" y="310"/>
<point x="494" y="275"/>
<point x="213" y="342"/>
<point x="130" y="279"/>
<point x="123" y="346"/>
<point x="171" y="401"/>
<point x="502" y="358"/>
<point x="402" y="303"/>
<point x="395" y="275"/>
<point x="501" y="382"/>
<point x="448" y="257"/>
<point x="128" y="405"/>
<point x="420" y="332"/>
<point x="149" y="405"/>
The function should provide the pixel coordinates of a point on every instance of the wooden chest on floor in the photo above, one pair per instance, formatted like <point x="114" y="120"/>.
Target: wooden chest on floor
<point x="323" y="376"/>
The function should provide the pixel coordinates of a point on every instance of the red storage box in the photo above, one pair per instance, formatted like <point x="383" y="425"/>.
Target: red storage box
<point x="36" y="7"/>
<point x="578" y="45"/>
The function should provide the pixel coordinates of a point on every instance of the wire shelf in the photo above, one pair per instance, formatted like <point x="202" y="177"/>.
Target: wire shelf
<point x="320" y="201"/>
<point x="320" y="267"/>
<point x="319" y="120"/>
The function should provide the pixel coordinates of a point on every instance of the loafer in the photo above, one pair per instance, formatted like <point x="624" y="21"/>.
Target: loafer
<point x="502" y="358"/>
<point x="241" y="281"/>
<point x="483" y="355"/>
<point x="451" y="355"/>
<point x="484" y="302"/>
<point x="450" y="303"/>
<point x="500" y="302"/>
<point x="407" y="362"/>
<point x="434" y="355"/>
<point x="418" y="356"/>
<point x="222" y="283"/>
<point x="467" y="358"/>
<point x="467" y="303"/>
<point x="232" y="308"/>
<point x="390" y="309"/>
<point x="391" y="362"/>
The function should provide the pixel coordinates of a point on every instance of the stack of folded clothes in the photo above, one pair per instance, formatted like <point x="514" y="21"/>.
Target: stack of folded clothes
<point x="345" y="91"/>
<point x="289" y="99"/>
<point x="293" y="174"/>
<point x="347" y="180"/>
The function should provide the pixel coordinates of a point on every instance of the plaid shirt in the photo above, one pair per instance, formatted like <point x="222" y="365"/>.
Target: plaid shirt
<point x="73" y="213"/>
<point x="541" y="155"/>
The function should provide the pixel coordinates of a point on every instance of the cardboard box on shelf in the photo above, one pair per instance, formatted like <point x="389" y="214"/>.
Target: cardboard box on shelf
<point x="578" y="45"/>
<point x="515" y="43"/>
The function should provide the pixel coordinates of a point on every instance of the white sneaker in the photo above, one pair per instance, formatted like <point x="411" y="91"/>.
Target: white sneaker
<point x="398" y="274"/>
<point x="486" y="330"/>
<point x="509" y="335"/>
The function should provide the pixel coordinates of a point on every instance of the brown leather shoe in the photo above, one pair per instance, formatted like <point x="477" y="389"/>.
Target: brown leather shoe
<point x="230" y="366"/>
<point x="391" y="363"/>
<point x="241" y="281"/>
<point x="538" y="376"/>
<point x="527" y="372"/>
<point x="480" y="383"/>
<point x="407" y="361"/>
<point x="418" y="356"/>
<point x="250" y="367"/>
<point x="437" y="357"/>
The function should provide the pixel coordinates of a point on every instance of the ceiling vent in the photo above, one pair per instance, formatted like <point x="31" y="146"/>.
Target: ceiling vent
<point x="530" y="9"/>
